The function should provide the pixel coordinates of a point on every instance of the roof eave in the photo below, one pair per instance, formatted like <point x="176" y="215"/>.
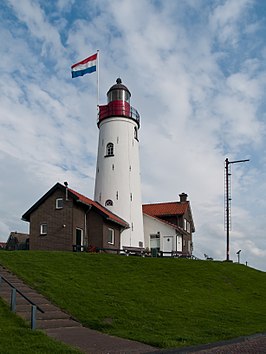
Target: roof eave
<point x="124" y="226"/>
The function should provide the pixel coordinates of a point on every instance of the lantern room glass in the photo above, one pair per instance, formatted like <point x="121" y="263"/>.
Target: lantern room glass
<point x="118" y="95"/>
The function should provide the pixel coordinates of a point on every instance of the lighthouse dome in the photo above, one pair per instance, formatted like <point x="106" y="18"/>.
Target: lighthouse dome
<point x="118" y="92"/>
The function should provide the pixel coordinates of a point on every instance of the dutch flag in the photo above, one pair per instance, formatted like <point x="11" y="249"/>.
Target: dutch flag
<point x="85" y="66"/>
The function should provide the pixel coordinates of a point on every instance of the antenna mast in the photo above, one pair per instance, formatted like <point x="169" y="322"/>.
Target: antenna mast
<point x="227" y="201"/>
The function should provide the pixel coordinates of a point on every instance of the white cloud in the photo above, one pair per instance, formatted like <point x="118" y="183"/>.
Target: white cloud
<point x="31" y="14"/>
<point x="224" y="21"/>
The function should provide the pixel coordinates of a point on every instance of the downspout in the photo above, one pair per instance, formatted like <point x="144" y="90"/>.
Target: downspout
<point x="85" y="224"/>
<point x="85" y="217"/>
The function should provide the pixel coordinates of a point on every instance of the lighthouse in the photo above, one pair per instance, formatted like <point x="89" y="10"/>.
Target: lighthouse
<point x="117" y="182"/>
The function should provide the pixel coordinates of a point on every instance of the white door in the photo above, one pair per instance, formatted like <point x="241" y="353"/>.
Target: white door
<point x="179" y="243"/>
<point x="167" y="245"/>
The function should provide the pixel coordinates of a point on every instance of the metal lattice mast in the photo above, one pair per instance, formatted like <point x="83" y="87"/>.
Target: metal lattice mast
<point x="227" y="201"/>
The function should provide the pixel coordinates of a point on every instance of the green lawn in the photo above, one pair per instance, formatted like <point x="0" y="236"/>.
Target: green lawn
<point x="162" y="302"/>
<point x="16" y="337"/>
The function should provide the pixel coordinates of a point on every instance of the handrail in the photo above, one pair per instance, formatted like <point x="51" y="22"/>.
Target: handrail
<point x="24" y="296"/>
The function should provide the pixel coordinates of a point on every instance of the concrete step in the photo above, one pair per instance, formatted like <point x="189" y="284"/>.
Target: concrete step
<point x="52" y="318"/>
<point x="49" y="307"/>
<point x="35" y="298"/>
<point x="23" y="307"/>
<point x="51" y="315"/>
<point x="57" y="323"/>
<point x="11" y="278"/>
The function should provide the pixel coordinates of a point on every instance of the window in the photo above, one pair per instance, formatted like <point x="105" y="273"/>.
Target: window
<point x="136" y="133"/>
<point x="110" y="149"/>
<point x="43" y="229"/>
<point x="118" y="94"/>
<point x="155" y="241"/>
<point x="186" y="225"/>
<point x="111" y="236"/>
<point x="108" y="202"/>
<point x="59" y="203"/>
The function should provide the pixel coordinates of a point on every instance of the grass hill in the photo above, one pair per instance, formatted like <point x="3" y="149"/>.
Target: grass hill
<point x="160" y="301"/>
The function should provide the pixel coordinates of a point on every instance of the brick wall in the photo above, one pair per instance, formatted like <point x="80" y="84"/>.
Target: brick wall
<point x="62" y="225"/>
<point x="59" y="223"/>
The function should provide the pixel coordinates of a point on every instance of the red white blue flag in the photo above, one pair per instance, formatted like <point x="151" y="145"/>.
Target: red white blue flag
<point x="85" y="66"/>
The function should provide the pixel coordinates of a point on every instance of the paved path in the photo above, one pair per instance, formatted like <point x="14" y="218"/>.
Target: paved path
<point x="61" y="326"/>
<point x="255" y="344"/>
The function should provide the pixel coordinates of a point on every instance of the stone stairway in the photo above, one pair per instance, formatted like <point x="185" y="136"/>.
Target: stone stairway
<point x="61" y="326"/>
<point x="53" y="317"/>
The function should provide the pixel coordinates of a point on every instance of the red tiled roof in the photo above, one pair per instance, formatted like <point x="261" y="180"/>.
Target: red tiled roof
<point x="165" y="222"/>
<point x="101" y="208"/>
<point x="170" y="208"/>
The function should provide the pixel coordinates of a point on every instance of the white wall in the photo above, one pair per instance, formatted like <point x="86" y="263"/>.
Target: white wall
<point x="118" y="177"/>
<point x="153" y="226"/>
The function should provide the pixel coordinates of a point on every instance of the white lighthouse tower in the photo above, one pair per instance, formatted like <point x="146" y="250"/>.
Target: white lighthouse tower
<point x="117" y="184"/>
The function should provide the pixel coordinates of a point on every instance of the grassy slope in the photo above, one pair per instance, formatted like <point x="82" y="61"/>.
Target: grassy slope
<point x="163" y="302"/>
<point x="16" y="337"/>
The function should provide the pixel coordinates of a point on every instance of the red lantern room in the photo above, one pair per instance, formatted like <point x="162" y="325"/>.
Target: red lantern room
<point x="118" y="98"/>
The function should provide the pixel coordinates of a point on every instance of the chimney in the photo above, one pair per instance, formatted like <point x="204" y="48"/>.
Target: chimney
<point x="183" y="197"/>
<point x="66" y="185"/>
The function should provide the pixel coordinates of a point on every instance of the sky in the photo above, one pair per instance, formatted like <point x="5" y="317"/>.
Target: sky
<point x="196" y="71"/>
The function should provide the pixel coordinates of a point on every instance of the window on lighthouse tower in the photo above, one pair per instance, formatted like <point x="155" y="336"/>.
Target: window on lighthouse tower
<point x="136" y="133"/>
<point x="110" y="149"/>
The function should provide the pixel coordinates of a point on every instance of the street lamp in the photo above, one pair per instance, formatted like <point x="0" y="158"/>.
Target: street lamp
<point x="227" y="202"/>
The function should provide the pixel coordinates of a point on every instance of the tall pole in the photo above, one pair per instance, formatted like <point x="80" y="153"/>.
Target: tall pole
<point x="227" y="163"/>
<point x="227" y="206"/>
<point x="98" y="78"/>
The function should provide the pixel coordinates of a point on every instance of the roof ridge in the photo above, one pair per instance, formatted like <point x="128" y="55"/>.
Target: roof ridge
<point x="158" y="203"/>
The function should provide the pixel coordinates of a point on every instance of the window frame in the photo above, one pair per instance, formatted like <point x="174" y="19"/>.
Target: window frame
<point x="110" y="232"/>
<point x="109" y="202"/>
<point x="42" y="227"/>
<point x="186" y="226"/>
<point x="109" y="149"/>
<point x="57" y="206"/>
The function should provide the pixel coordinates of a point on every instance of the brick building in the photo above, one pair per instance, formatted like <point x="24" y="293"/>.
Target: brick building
<point x="65" y="220"/>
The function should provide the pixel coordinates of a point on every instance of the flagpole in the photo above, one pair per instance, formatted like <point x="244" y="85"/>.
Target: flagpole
<point x="98" y="78"/>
